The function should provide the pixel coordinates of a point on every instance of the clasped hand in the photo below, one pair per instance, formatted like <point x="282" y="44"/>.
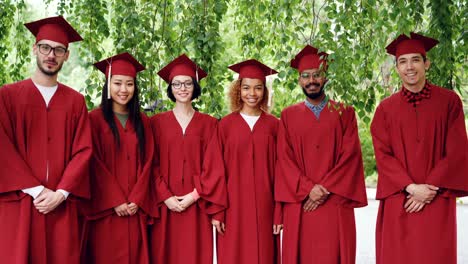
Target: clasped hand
<point x="419" y="196"/>
<point x="48" y="200"/>
<point x="126" y="209"/>
<point x="317" y="196"/>
<point x="179" y="203"/>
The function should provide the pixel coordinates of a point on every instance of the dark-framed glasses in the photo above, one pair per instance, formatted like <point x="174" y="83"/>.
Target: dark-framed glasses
<point x="46" y="49"/>
<point x="178" y="85"/>
<point x="314" y="75"/>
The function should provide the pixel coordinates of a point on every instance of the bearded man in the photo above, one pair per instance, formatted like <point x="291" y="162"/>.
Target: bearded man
<point x="319" y="172"/>
<point x="45" y="141"/>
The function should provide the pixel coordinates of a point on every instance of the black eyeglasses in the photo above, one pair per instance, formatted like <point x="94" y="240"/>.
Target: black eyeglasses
<point x="46" y="49"/>
<point x="315" y="75"/>
<point x="178" y="85"/>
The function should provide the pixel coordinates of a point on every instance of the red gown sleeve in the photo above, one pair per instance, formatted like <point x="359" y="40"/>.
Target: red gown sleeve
<point x="211" y="184"/>
<point x="291" y="184"/>
<point x="107" y="192"/>
<point x="162" y="191"/>
<point x="15" y="174"/>
<point x="393" y="177"/>
<point x="346" y="179"/>
<point x="278" y="214"/>
<point x="142" y="193"/>
<point x="75" y="178"/>
<point x="451" y="171"/>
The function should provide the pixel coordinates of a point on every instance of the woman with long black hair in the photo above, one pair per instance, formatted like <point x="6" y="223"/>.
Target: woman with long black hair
<point x="120" y="170"/>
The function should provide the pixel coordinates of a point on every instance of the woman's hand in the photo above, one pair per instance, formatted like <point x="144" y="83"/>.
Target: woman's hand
<point x="277" y="229"/>
<point x="186" y="200"/>
<point x="122" y="210"/>
<point x="132" y="208"/>
<point x="220" y="227"/>
<point x="173" y="204"/>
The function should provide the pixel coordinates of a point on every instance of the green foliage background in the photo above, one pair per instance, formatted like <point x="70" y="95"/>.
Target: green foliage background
<point x="217" y="33"/>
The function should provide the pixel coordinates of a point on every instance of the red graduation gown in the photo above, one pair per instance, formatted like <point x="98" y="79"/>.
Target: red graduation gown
<point x="422" y="144"/>
<point x="249" y="158"/>
<point x="31" y="135"/>
<point x="119" y="175"/>
<point x="183" y="162"/>
<point x="322" y="151"/>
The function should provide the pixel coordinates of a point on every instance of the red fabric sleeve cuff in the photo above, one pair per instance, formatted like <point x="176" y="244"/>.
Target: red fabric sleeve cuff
<point x="220" y="216"/>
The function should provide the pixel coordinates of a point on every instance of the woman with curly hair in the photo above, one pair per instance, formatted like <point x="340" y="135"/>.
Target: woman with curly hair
<point x="248" y="230"/>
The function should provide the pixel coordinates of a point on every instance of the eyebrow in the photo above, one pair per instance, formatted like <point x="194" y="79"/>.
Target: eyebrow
<point x="414" y="57"/>
<point x="120" y="80"/>
<point x="58" y="46"/>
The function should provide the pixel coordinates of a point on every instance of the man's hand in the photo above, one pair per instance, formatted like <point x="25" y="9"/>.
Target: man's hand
<point x="220" y="227"/>
<point x="319" y="194"/>
<point x="414" y="205"/>
<point x="173" y="204"/>
<point x="422" y="192"/>
<point x="48" y="200"/>
<point x="310" y="205"/>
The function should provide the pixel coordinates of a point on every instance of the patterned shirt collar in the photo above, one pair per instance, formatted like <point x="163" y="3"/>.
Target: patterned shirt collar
<point x="317" y="109"/>
<point x="416" y="98"/>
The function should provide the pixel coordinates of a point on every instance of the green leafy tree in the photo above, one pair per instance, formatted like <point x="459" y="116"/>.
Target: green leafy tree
<point x="219" y="33"/>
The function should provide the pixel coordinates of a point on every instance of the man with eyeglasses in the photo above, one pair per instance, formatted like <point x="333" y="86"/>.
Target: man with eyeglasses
<point x="319" y="172"/>
<point x="45" y="143"/>
<point x="421" y="150"/>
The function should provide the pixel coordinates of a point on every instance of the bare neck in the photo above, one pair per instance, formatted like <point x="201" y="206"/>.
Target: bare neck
<point x="183" y="108"/>
<point x="246" y="110"/>
<point x="43" y="79"/>
<point x="120" y="109"/>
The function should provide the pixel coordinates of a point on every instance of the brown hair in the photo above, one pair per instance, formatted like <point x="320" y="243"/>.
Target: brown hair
<point x="235" y="101"/>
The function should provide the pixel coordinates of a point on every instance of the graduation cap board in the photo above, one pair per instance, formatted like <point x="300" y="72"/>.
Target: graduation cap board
<point x="121" y="64"/>
<point x="252" y="69"/>
<point x="182" y="65"/>
<point x="416" y="43"/>
<point x="54" y="28"/>
<point x="309" y="58"/>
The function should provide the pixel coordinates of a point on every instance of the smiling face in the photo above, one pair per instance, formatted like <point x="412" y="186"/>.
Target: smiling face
<point x="182" y="88"/>
<point x="252" y="93"/>
<point x="412" y="70"/>
<point x="49" y="64"/>
<point x="122" y="88"/>
<point x="312" y="82"/>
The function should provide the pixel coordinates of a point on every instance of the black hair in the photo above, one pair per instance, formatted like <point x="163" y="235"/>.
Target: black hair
<point x="133" y="115"/>
<point x="196" y="90"/>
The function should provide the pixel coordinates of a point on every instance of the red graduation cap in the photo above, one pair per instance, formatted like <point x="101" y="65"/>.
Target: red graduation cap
<point x="182" y="65"/>
<point x="252" y="69"/>
<point x="309" y="58"/>
<point x="414" y="44"/>
<point x="54" y="28"/>
<point x="121" y="64"/>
